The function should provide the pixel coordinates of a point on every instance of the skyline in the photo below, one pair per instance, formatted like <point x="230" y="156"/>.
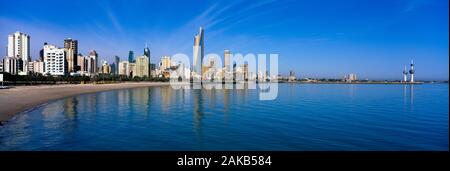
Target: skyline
<point x="315" y="40"/>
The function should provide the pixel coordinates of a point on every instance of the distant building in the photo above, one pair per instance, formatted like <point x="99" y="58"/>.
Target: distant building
<point x="54" y="60"/>
<point x="412" y="71"/>
<point x="116" y="66"/>
<point x="71" y="50"/>
<point x="93" y="62"/>
<point x="141" y="68"/>
<point x="350" y="78"/>
<point x="131" y="56"/>
<point x="41" y="52"/>
<point x="106" y="68"/>
<point x="147" y="52"/>
<point x="36" y="67"/>
<point x="198" y="52"/>
<point x="227" y="60"/>
<point x="82" y="63"/>
<point x="11" y="65"/>
<point x="19" y="47"/>
<point x="124" y="68"/>
<point x="165" y="63"/>
<point x="292" y="76"/>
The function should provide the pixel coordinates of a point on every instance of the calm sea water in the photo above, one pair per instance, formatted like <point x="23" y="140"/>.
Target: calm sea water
<point x="303" y="117"/>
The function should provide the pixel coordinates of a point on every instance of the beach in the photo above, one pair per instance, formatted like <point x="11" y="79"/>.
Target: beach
<point x="20" y="98"/>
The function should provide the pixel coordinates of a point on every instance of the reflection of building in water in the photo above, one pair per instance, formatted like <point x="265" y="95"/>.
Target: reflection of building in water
<point x="140" y="98"/>
<point x="166" y="95"/>
<point x="123" y="99"/>
<point x="198" y="111"/>
<point x="70" y="107"/>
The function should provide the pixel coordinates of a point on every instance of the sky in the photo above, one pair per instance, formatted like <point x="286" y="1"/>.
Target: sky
<point x="319" y="39"/>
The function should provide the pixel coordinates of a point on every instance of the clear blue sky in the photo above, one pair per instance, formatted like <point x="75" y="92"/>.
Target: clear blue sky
<point x="372" y="38"/>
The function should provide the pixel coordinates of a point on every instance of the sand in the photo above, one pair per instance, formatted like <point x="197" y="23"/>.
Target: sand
<point x="18" y="99"/>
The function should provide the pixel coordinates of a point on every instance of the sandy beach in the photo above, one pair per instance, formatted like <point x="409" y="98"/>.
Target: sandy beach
<point x="21" y="98"/>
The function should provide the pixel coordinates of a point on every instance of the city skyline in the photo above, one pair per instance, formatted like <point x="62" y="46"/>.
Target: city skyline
<point x="317" y="45"/>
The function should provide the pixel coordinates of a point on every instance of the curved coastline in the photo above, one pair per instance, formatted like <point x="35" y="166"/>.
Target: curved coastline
<point x="20" y="99"/>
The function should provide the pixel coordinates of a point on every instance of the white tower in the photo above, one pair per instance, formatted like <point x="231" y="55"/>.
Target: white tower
<point x="405" y="74"/>
<point x="411" y="71"/>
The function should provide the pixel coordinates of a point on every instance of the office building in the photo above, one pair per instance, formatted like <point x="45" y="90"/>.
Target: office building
<point x="54" y="60"/>
<point x="227" y="60"/>
<point x="19" y="47"/>
<point x="124" y="68"/>
<point x="36" y="67"/>
<point x="93" y="62"/>
<point x="141" y="68"/>
<point x="106" y="68"/>
<point x="11" y="65"/>
<point x="82" y="63"/>
<point x="116" y="65"/>
<point x="71" y="49"/>
<point x="165" y="63"/>
<point x="198" y="52"/>
<point x="131" y="56"/>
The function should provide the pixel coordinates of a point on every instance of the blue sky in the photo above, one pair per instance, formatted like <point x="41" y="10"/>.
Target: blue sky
<point x="372" y="38"/>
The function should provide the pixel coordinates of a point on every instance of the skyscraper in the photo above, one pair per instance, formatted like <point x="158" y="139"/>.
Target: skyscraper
<point x="198" y="52"/>
<point x="141" y="67"/>
<point x="227" y="60"/>
<point x="82" y="63"/>
<point x="117" y="60"/>
<point x="41" y="53"/>
<point x="71" y="49"/>
<point x="146" y="50"/>
<point x="93" y="62"/>
<point x="165" y="63"/>
<point x="131" y="56"/>
<point x="54" y="60"/>
<point x="19" y="47"/>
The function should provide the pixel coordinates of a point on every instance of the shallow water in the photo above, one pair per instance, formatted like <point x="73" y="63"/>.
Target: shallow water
<point x="303" y="117"/>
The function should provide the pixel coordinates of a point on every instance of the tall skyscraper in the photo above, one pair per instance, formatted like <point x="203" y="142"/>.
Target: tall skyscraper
<point x="71" y="49"/>
<point x="54" y="60"/>
<point x="19" y="47"/>
<point x="116" y="69"/>
<point x="131" y="56"/>
<point x="141" y="67"/>
<point x="198" y="52"/>
<point x="146" y="50"/>
<point x="41" y="53"/>
<point x="227" y="60"/>
<point x="93" y="62"/>
<point x="82" y="63"/>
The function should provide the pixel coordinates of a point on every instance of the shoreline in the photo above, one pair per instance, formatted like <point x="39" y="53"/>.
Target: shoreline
<point x="22" y="98"/>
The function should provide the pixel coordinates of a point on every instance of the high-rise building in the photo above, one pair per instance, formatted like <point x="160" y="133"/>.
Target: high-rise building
<point x="82" y="63"/>
<point x="124" y="68"/>
<point x="165" y="63"/>
<point x="227" y="60"/>
<point x="11" y="65"/>
<point x="292" y="76"/>
<point x="36" y="67"/>
<point x="71" y="49"/>
<point x="106" y="68"/>
<point x="350" y="78"/>
<point x="54" y="60"/>
<point x="116" y="65"/>
<point x="93" y="62"/>
<point x="198" y="52"/>
<point x="41" y="52"/>
<point x="141" y="68"/>
<point x="147" y="51"/>
<point x="19" y="47"/>
<point x="131" y="56"/>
